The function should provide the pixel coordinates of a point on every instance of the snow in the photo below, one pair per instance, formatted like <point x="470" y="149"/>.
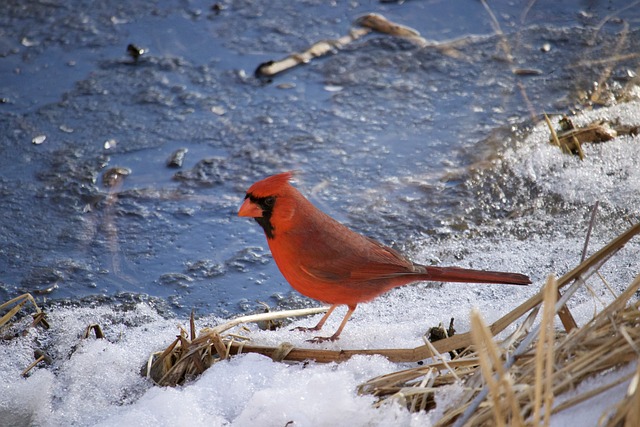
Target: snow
<point x="608" y="167"/>
<point x="97" y="381"/>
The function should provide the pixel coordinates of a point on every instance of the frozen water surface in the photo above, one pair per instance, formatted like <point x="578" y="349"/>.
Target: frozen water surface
<point x="438" y="155"/>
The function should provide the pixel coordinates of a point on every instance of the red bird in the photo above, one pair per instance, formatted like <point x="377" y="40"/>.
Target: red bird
<point x="326" y="261"/>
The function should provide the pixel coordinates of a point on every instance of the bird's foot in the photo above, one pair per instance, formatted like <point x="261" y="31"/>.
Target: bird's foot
<point x="317" y="340"/>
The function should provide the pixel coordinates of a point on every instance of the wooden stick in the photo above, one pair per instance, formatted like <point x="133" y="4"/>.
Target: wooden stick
<point x="565" y="315"/>
<point x="272" y="315"/>
<point x="321" y="48"/>
<point x="369" y="23"/>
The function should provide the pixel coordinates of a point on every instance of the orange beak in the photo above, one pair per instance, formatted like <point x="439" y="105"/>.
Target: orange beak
<point x="250" y="209"/>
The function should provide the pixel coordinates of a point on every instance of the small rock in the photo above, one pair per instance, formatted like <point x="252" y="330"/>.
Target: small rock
<point x="177" y="158"/>
<point x="39" y="139"/>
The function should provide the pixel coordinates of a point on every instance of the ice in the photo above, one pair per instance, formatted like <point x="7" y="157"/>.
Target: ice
<point x="98" y="382"/>
<point x="609" y="173"/>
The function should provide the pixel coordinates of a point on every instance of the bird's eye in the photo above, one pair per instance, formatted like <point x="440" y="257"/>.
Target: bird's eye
<point x="269" y="201"/>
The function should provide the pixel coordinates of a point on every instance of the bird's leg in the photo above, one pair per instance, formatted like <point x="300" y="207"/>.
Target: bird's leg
<point x="335" y="336"/>
<point x="320" y="323"/>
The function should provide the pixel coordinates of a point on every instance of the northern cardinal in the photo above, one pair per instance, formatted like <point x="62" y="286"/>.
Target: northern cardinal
<point x="326" y="261"/>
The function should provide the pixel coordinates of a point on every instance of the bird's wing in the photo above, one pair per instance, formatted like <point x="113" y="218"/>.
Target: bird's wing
<point x="372" y="261"/>
<point x="383" y="262"/>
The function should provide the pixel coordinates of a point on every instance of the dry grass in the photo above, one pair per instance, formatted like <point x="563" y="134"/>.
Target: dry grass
<point x="570" y="138"/>
<point x="522" y="392"/>
<point x="15" y="305"/>
<point x="190" y="355"/>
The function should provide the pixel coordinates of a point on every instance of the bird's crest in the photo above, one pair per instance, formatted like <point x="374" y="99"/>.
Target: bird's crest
<point x="271" y="185"/>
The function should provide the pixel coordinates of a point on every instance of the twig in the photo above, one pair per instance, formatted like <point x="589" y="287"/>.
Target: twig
<point x="370" y="22"/>
<point x="321" y="48"/>
<point x="496" y="27"/>
<point x="272" y="315"/>
<point x="595" y="96"/>
<point x="565" y="315"/>
<point x="608" y="18"/>
<point x="554" y="135"/>
<point x="592" y="221"/>
<point x="525" y="12"/>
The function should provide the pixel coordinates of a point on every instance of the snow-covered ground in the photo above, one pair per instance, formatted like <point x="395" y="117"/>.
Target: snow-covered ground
<point x="98" y="382"/>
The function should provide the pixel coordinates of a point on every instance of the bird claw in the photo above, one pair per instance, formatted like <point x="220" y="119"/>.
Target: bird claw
<point x="317" y="340"/>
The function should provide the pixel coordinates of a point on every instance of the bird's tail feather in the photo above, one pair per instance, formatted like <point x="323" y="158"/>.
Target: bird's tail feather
<point x="455" y="274"/>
